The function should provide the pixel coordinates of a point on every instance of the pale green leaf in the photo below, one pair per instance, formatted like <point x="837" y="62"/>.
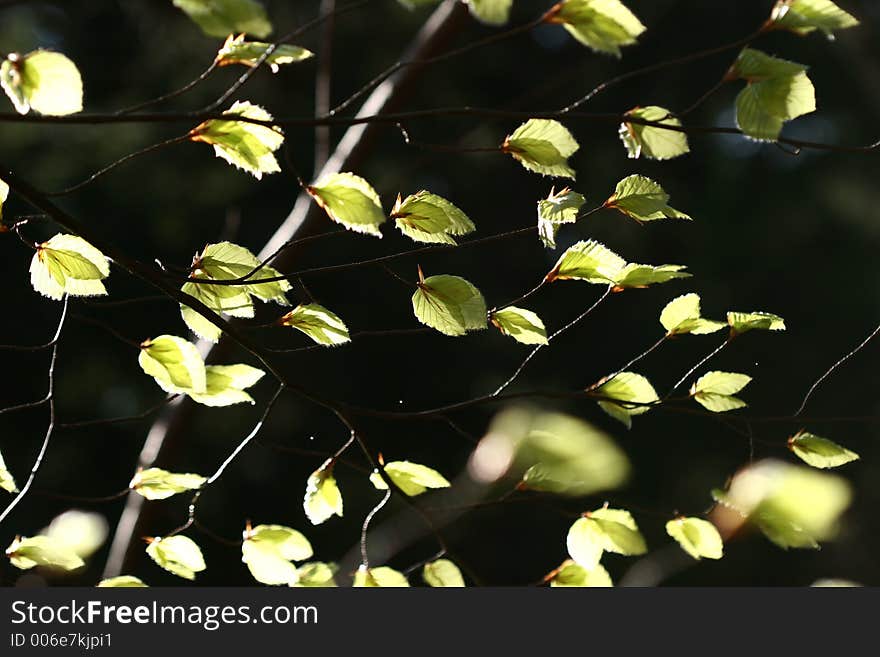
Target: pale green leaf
<point x="26" y="552"/>
<point x="699" y="538"/>
<point x="449" y="304"/>
<point x="67" y="264"/>
<point x="382" y="577"/>
<point x="268" y="551"/>
<point x="491" y="12"/>
<point x="562" y="207"/>
<point x="632" y="393"/>
<point x="122" y="582"/>
<point x="543" y="146"/>
<point x="179" y="555"/>
<point x="426" y="217"/>
<point x="83" y="532"/>
<point x="820" y="452"/>
<point x="44" y="81"/>
<point x="522" y="325"/>
<point x="158" y="484"/>
<point x="636" y="276"/>
<point x="653" y="142"/>
<point x="323" y="498"/>
<point x="226" y="260"/>
<point x="604" y="530"/>
<point x="719" y="403"/>
<point x="221" y="17"/>
<point x="351" y="201"/>
<point x="588" y="261"/>
<point x="681" y="316"/>
<point x="4" y="194"/>
<point x="642" y="199"/>
<point x="412" y="478"/>
<point x="805" y="16"/>
<point x="315" y="575"/>
<point x="225" y="385"/>
<point x="238" y="51"/>
<point x="715" y="391"/>
<point x="442" y="573"/>
<point x="174" y="363"/>
<point x="602" y="25"/>
<point x="7" y="481"/>
<point x="321" y="325"/>
<point x="570" y="573"/>
<point x="740" y="322"/>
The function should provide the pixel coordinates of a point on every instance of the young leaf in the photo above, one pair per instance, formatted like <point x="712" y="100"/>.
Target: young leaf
<point x="542" y="146"/>
<point x="643" y="200"/>
<point x="174" y="363"/>
<point x="681" y="316"/>
<point x="449" y="304"/>
<point x="573" y="574"/>
<point x="805" y="16"/>
<point x="268" y="551"/>
<point x="601" y="25"/>
<point x="820" y="452"/>
<point x="25" y="553"/>
<point x="588" y="261"/>
<point x="715" y="391"/>
<point x="67" y="264"/>
<point x="442" y="573"/>
<point x="632" y="394"/>
<point x="697" y="537"/>
<point x="562" y="207"/>
<point x="225" y="385"/>
<point x="604" y="530"/>
<point x="321" y="325"/>
<point x="382" y="577"/>
<point x="158" y="484"/>
<point x="651" y="141"/>
<point x="412" y="478"/>
<point x="7" y="482"/>
<point x="82" y="532"/>
<point x="351" y="201"/>
<point x="238" y="51"/>
<point x="522" y="325"/>
<point x="315" y="575"/>
<point x="225" y="260"/>
<point x="122" y="582"/>
<point x="426" y="217"/>
<point x="221" y="17"/>
<point x="245" y="145"/>
<point x="179" y="555"/>
<point x="322" y="499"/>
<point x="638" y="276"/>
<point x="491" y="12"/>
<point x="740" y="322"/>
<point x="44" y="81"/>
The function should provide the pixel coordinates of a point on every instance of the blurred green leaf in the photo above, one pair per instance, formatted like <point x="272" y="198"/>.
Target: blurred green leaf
<point x="805" y="16"/>
<point x="221" y="17"/>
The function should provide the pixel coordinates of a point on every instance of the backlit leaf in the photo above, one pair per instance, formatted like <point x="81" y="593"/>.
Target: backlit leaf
<point x="632" y="393"/>
<point x="740" y="322"/>
<point x="238" y="51"/>
<point x="442" y="573"/>
<point x="4" y="194"/>
<point x="715" y="391"/>
<point x="604" y="530"/>
<point x="268" y="551"/>
<point x="588" y="261"/>
<point x="602" y="25"/>
<point x="44" y="81"/>
<point x="351" y="201"/>
<point x="26" y="552"/>
<point x="321" y="325"/>
<point x="225" y="385"/>
<point x="122" y="582"/>
<point x="820" y="452"/>
<point x="572" y="574"/>
<point x="543" y="146"/>
<point x="562" y="207"/>
<point x="651" y="141"/>
<point x="492" y="12"/>
<point x="522" y="325"/>
<point x="642" y="199"/>
<point x="83" y="532"/>
<point x="158" y="484"/>
<point x="699" y="538"/>
<point x="315" y="575"/>
<point x="426" y="217"/>
<point x="221" y="17"/>
<point x="323" y="498"/>
<point x="67" y="264"/>
<point x="449" y="304"/>
<point x="382" y="577"/>
<point x="412" y="478"/>
<point x="682" y="316"/>
<point x="7" y="482"/>
<point x="805" y="16"/>
<point x="174" y="363"/>
<point x="179" y="555"/>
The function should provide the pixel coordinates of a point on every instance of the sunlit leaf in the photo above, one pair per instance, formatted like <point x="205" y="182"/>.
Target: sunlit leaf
<point x="122" y="582"/>
<point x="83" y="532"/>
<point x="67" y="264"/>
<point x="351" y="201"/>
<point x="588" y="261"/>
<point x="636" y="276"/>
<point x="238" y="51"/>
<point x="492" y="12"/>
<point x="158" y="484"/>
<point x="7" y="481"/>
<point x="642" y="199"/>
<point x="382" y="577"/>
<point x="682" y="316"/>
<point x="221" y="17"/>
<point x="44" y="81"/>
<point x="426" y="217"/>
<point x="653" y="142"/>
<point x="572" y="574"/>
<point x="740" y="322"/>
<point x="632" y="393"/>
<point x="321" y="325"/>
<point x="449" y="304"/>
<point x="225" y="385"/>
<point x="805" y="16"/>
<point x="179" y="555"/>
<point x="268" y="551"/>
<point x="412" y="478"/>
<point x="604" y="530"/>
<point x="820" y="452"/>
<point x="442" y="573"/>
<point x="522" y="325"/>
<point x="315" y="575"/>
<point x="562" y="207"/>
<point x="26" y="552"/>
<point x="246" y="145"/>
<point x="699" y="538"/>
<point x="602" y="25"/>
<point x="323" y="498"/>
<point x="174" y="363"/>
<point x="543" y="146"/>
<point x="715" y="391"/>
<point x="4" y="194"/>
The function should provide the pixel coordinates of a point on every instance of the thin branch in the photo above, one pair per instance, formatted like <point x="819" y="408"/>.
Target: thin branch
<point x="636" y="359"/>
<point x="173" y="94"/>
<point x="365" y="560"/>
<point x="702" y="362"/>
<point x="117" y="420"/>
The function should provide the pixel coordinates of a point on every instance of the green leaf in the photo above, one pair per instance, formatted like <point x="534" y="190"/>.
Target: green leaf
<point x="179" y="555"/>
<point x="245" y="145"/>
<point x="315" y="575"/>
<point x="572" y="574"/>
<point x="221" y="17"/>
<point x="651" y="141"/>
<point x="820" y="452"/>
<point x="7" y="481"/>
<point x="225" y="385"/>
<point x="632" y="393"/>
<point x="25" y="553"/>
<point x="642" y="199"/>
<point x="122" y="582"/>
<point x="562" y="207"/>
<point x="697" y="537"/>
<point x="602" y="25"/>
<point x="322" y="499"/>
<point x="491" y="12"/>
<point x="638" y="276"/>
<point x="351" y="201"/>
<point x="588" y="261"/>
<point x="426" y="217"/>
<point x="715" y="391"/>
<point x="238" y="51"/>
<point x="442" y="573"/>
<point x="449" y="304"/>
<point x="83" y="532"/>
<point x="321" y="325"/>
<point x="805" y="16"/>
<point x="542" y="146"/>
<point x="174" y="363"/>
<point x="522" y="325"/>
<point x="604" y="530"/>
<point x="4" y="194"/>
<point x="412" y="478"/>
<point x="158" y="484"/>
<point x="740" y="322"/>
<point x="44" y="81"/>
<point x="681" y="316"/>
<point x="268" y="551"/>
<point x="382" y="577"/>
<point x="67" y="264"/>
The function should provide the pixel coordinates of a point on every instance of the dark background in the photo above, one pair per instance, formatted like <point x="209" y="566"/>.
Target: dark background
<point x="794" y="235"/>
